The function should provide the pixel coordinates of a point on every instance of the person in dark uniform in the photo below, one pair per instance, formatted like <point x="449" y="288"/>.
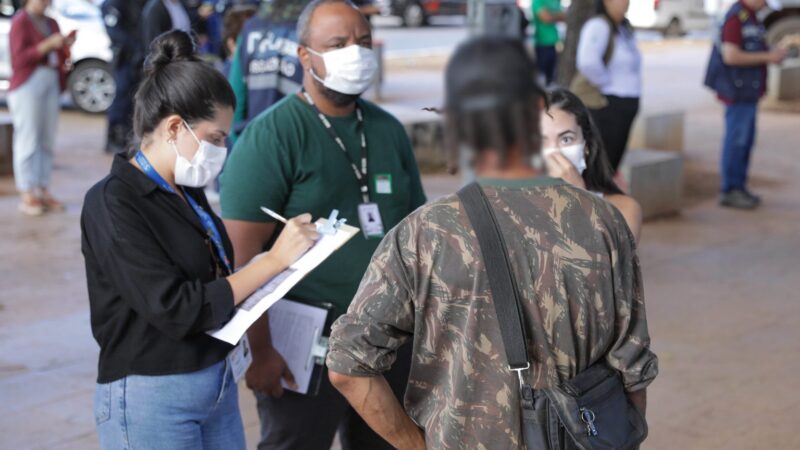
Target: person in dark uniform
<point x="121" y="18"/>
<point x="160" y="16"/>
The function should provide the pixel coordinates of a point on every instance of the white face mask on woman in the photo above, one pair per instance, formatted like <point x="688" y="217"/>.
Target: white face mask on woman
<point x="348" y="70"/>
<point x="205" y="165"/>
<point x="574" y="153"/>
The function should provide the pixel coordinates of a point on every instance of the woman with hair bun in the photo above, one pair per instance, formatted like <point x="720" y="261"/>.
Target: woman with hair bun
<point x="159" y="266"/>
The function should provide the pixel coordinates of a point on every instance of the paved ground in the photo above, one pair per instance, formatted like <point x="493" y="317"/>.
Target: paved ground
<point x="720" y="285"/>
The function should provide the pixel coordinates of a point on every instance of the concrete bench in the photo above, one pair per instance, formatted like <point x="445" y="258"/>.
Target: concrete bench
<point x="662" y="131"/>
<point x="654" y="179"/>
<point x="427" y="140"/>
<point x="6" y="145"/>
<point x="783" y="82"/>
<point x="425" y="131"/>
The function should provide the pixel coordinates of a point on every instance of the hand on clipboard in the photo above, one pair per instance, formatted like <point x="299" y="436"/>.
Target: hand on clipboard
<point x="269" y="373"/>
<point x="329" y="227"/>
<point x="334" y="234"/>
<point x="297" y="237"/>
<point x="299" y="334"/>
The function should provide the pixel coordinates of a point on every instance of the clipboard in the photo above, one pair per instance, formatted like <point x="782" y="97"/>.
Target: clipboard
<point x="300" y="333"/>
<point x="260" y="301"/>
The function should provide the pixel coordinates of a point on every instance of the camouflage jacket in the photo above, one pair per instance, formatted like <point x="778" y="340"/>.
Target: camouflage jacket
<point x="575" y="261"/>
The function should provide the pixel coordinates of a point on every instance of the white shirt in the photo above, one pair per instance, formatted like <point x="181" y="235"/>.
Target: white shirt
<point x="178" y="14"/>
<point x="623" y="75"/>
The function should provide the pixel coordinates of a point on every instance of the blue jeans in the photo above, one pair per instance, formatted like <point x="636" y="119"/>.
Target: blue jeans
<point x="740" y="135"/>
<point x="191" y="411"/>
<point x="34" y="110"/>
<point x="121" y="110"/>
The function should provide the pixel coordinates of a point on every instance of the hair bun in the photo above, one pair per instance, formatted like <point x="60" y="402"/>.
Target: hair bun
<point x="172" y="46"/>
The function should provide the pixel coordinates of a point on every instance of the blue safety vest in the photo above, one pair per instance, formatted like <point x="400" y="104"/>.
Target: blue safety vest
<point x="738" y="83"/>
<point x="269" y="63"/>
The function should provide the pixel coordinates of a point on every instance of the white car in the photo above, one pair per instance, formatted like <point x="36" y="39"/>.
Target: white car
<point x="90" y="81"/>
<point x="672" y="17"/>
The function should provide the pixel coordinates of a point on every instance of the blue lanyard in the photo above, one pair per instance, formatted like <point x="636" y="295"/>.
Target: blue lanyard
<point x="205" y="218"/>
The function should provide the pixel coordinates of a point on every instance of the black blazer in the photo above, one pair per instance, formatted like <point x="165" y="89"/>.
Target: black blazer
<point x="152" y="275"/>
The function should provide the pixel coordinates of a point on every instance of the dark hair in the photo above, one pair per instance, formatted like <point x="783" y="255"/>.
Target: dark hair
<point x="492" y="99"/>
<point x="233" y="22"/>
<point x="304" y="20"/>
<point x="598" y="175"/>
<point x="177" y="82"/>
<point x="600" y="10"/>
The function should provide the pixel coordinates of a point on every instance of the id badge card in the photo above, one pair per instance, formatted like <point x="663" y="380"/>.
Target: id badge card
<point x="370" y="217"/>
<point x="240" y="359"/>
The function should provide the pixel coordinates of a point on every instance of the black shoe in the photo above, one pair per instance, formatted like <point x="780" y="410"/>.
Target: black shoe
<point x="753" y="196"/>
<point x="739" y="199"/>
<point x="117" y="139"/>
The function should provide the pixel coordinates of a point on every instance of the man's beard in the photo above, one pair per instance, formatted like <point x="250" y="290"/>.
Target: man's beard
<point x="337" y="98"/>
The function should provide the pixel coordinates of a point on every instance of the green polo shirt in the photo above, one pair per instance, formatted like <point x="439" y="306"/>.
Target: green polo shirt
<point x="286" y="160"/>
<point x="546" y="34"/>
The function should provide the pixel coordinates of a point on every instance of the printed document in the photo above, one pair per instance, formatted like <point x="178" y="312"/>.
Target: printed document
<point x="296" y="329"/>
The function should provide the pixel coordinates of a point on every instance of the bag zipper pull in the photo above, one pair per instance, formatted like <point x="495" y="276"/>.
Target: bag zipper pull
<point x="588" y="417"/>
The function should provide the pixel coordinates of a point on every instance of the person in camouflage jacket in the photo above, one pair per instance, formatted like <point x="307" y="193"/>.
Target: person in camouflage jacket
<point x="572" y="255"/>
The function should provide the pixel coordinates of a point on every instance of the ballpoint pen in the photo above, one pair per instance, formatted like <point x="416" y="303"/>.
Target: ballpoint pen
<point x="273" y="214"/>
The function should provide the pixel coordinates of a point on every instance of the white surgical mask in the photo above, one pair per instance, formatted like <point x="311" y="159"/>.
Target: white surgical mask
<point x="348" y="70"/>
<point x="205" y="165"/>
<point x="574" y="153"/>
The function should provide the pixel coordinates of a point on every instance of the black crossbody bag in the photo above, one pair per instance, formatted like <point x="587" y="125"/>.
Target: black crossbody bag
<point x="590" y="411"/>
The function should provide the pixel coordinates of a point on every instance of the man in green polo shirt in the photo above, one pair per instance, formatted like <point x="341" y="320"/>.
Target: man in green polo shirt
<point x="308" y="154"/>
<point x="546" y="13"/>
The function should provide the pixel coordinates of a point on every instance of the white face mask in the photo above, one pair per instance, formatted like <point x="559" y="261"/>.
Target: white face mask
<point x="348" y="70"/>
<point x="205" y="165"/>
<point x="574" y="153"/>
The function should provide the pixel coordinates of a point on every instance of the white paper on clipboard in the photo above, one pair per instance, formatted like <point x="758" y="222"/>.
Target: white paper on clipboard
<point x="257" y="304"/>
<point x="295" y="329"/>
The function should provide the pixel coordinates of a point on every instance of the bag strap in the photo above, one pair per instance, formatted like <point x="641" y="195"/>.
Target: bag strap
<point x="505" y="294"/>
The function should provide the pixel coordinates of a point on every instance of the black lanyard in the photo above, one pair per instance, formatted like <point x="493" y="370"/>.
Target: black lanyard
<point x="361" y="175"/>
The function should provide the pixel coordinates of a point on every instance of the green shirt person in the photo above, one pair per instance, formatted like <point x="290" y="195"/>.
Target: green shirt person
<point x="287" y="162"/>
<point x="546" y="13"/>
<point x="308" y="153"/>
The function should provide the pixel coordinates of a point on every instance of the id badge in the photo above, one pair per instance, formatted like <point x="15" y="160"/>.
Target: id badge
<point x="240" y="359"/>
<point x="370" y="217"/>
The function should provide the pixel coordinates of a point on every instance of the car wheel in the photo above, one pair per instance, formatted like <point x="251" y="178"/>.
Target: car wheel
<point x="674" y="29"/>
<point x="92" y="87"/>
<point x="782" y="28"/>
<point x="414" y="15"/>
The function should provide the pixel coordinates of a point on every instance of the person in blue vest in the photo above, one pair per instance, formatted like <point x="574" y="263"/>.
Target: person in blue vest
<point x="737" y="72"/>
<point x="265" y="67"/>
